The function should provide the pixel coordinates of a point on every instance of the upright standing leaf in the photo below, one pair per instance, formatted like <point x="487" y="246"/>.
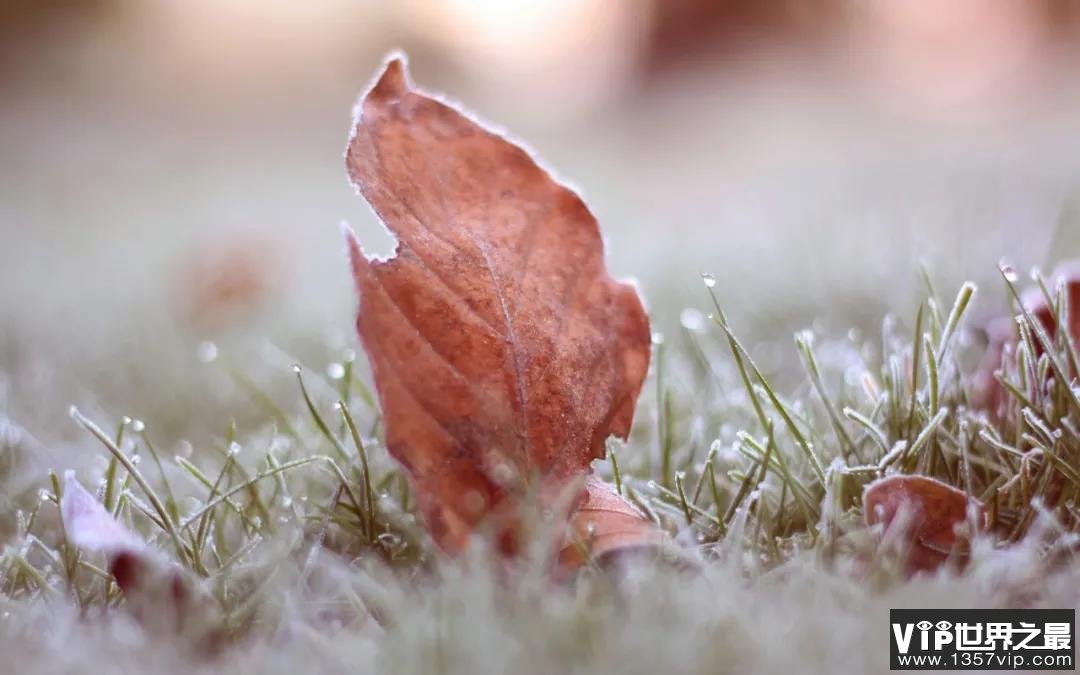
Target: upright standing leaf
<point x="503" y="352"/>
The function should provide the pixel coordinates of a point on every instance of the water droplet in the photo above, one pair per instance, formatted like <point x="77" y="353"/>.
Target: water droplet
<point x="651" y="485"/>
<point x="349" y="356"/>
<point x="44" y="495"/>
<point x="286" y="502"/>
<point x="680" y="475"/>
<point x="1008" y="271"/>
<point x="73" y="411"/>
<point x="710" y="280"/>
<point x="234" y="448"/>
<point x="391" y="542"/>
<point x="335" y="371"/>
<point x="125" y="420"/>
<point x="338" y="406"/>
<point x="137" y="426"/>
<point x="135" y="459"/>
<point x="186" y="449"/>
<point x="692" y="320"/>
<point x="296" y="368"/>
<point x="658" y="338"/>
<point x="206" y="351"/>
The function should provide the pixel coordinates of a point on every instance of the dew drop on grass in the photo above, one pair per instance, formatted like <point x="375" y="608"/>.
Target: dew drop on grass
<point x="73" y="411"/>
<point x="710" y="280"/>
<point x="658" y="338"/>
<point x="296" y="368"/>
<point x="43" y="495"/>
<point x="1008" y="271"/>
<point x="234" y="448"/>
<point x="391" y="542"/>
<point x="335" y="371"/>
<point x="186" y="449"/>
<point x="125" y="420"/>
<point x="349" y="356"/>
<point x="137" y="426"/>
<point x="206" y="351"/>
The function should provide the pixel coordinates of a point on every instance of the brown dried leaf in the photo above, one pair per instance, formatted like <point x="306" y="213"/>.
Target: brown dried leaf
<point x="929" y="516"/>
<point x="1069" y="275"/>
<point x="606" y="525"/>
<point x="503" y="352"/>
<point x="160" y="595"/>
<point x="1001" y="334"/>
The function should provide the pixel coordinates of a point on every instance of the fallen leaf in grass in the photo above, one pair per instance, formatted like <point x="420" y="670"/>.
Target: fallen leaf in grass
<point x="90" y="526"/>
<point x="1069" y="275"/>
<point x="605" y="528"/>
<point x="1002" y="334"/>
<point x="503" y="352"/>
<point x="928" y="517"/>
<point x="160" y="595"/>
<point x="989" y="395"/>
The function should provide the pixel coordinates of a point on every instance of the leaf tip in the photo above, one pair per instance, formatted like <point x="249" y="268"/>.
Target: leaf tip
<point x="393" y="82"/>
<point x="89" y="524"/>
<point x="357" y="259"/>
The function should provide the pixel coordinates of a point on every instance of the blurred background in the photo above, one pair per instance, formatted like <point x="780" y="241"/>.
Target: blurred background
<point x="172" y="177"/>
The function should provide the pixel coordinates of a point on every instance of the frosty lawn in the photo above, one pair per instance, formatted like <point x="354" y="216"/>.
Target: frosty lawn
<point x="300" y="529"/>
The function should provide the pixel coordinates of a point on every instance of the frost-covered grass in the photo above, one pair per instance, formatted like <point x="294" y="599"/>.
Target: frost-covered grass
<point x="300" y="527"/>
